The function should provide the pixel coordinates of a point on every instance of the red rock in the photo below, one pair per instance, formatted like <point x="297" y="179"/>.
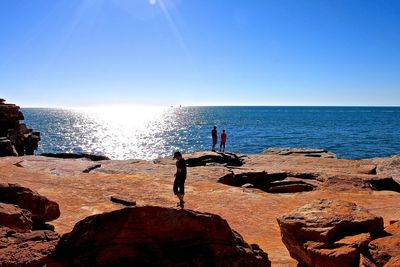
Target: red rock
<point x="12" y="216"/>
<point x="42" y="209"/>
<point x="383" y="250"/>
<point x="328" y="232"/>
<point x="31" y="249"/>
<point x="394" y="262"/>
<point x="156" y="236"/>
<point x="251" y="211"/>
<point x="291" y="188"/>
<point x="366" y="262"/>
<point x="21" y="140"/>
<point x="294" y="151"/>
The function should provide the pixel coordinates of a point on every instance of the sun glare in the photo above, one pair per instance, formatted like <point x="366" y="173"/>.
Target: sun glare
<point x="152" y="2"/>
<point x="123" y="132"/>
<point x="133" y="117"/>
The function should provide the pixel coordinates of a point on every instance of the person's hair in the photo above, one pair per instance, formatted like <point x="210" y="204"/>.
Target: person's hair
<point x="223" y="130"/>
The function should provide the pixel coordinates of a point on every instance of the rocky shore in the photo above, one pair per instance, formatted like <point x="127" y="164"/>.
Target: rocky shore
<point x="291" y="205"/>
<point x="290" y="209"/>
<point x="15" y="138"/>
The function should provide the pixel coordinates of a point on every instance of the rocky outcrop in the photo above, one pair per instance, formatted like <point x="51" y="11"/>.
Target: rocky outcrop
<point x="41" y="208"/>
<point x="7" y="148"/>
<point x="12" y="216"/>
<point x="248" y="209"/>
<point x="156" y="236"/>
<point x="274" y="182"/>
<point x="388" y="166"/>
<point x="28" y="249"/>
<point x="15" y="138"/>
<point x="386" y="250"/>
<point x="306" y="152"/>
<point x="293" y="182"/>
<point x="329" y="232"/>
<point x="20" y="245"/>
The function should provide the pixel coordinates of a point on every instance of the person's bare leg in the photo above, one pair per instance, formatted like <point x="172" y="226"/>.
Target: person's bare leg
<point x="181" y="202"/>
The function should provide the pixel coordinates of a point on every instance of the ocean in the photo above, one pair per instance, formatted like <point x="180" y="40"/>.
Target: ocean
<point x="151" y="132"/>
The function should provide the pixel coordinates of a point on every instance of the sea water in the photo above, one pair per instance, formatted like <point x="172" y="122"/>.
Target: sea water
<point x="151" y="132"/>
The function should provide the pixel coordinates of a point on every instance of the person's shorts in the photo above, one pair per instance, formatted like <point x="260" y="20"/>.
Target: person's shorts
<point x="179" y="186"/>
<point x="215" y="140"/>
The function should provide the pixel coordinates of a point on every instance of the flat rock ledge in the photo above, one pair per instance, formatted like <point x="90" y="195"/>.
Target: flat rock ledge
<point x="156" y="236"/>
<point x="329" y="233"/>
<point x="295" y="151"/>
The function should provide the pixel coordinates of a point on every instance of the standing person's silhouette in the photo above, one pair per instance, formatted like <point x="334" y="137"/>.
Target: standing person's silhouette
<point x="214" y="136"/>
<point x="180" y="177"/>
<point x="223" y="141"/>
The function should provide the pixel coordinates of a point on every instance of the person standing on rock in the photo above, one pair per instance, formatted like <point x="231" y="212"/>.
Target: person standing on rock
<point x="214" y="136"/>
<point x="223" y="141"/>
<point x="180" y="177"/>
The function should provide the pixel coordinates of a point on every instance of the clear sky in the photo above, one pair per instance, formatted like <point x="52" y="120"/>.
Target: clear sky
<point x="200" y="52"/>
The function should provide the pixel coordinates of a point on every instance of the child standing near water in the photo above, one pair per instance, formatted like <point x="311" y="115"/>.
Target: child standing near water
<point x="180" y="177"/>
<point x="223" y="141"/>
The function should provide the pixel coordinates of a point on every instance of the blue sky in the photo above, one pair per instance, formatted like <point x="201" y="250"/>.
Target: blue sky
<point x="67" y="53"/>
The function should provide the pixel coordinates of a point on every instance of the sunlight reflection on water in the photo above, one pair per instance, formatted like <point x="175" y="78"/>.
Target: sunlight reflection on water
<point x="128" y="132"/>
<point x="152" y="132"/>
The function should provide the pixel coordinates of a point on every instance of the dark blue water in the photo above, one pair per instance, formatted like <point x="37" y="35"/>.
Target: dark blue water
<point x="350" y="132"/>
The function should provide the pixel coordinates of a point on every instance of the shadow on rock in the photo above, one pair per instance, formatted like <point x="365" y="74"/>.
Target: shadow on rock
<point x="156" y="236"/>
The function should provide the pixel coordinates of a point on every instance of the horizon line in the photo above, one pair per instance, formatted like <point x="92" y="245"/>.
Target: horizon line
<point x="183" y="106"/>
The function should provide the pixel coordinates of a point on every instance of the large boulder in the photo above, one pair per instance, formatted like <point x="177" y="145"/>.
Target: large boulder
<point x="329" y="232"/>
<point x="156" y="236"/>
<point x="42" y="209"/>
<point x="386" y="249"/>
<point x="12" y="216"/>
<point x="28" y="249"/>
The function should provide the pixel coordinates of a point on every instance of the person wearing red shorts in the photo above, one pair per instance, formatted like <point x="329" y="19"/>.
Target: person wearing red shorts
<point x="223" y="141"/>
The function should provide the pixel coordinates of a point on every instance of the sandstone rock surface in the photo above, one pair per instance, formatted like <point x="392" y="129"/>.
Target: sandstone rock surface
<point x="388" y="166"/>
<point x="15" y="138"/>
<point x="386" y="249"/>
<point x="156" y="236"/>
<point x="41" y="208"/>
<point x="306" y="152"/>
<point x="28" y="249"/>
<point x="19" y="244"/>
<point x="329" y="232"/>
<point x="13" y="217"/>
<point x="251" y="211"/>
